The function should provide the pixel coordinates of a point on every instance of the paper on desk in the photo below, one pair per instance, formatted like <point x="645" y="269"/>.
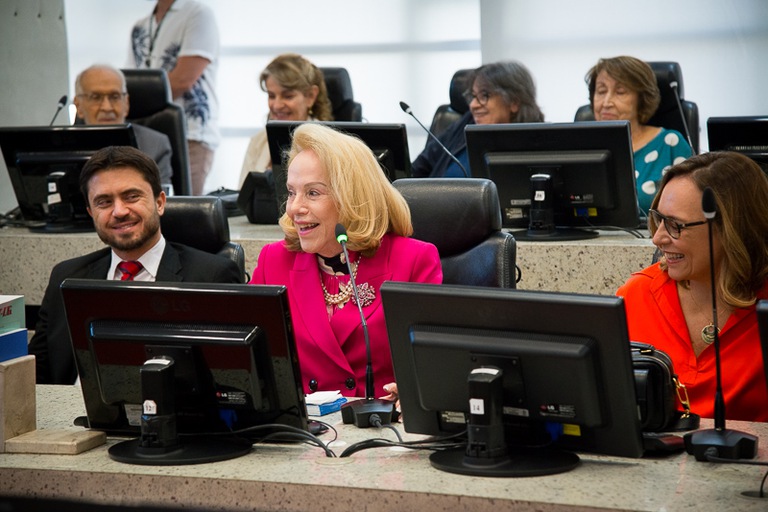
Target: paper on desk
<point x="322" y="397"/>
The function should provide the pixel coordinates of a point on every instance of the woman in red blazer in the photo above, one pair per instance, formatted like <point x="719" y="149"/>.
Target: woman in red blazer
<point x="335" y="179"/>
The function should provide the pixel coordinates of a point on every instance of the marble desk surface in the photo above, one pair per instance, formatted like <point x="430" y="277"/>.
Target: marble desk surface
<point x="300" y="477"/>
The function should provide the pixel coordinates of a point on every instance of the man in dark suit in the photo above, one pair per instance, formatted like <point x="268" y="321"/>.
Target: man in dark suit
<point x="101" y="97"/>
<point x="124" y="197"/>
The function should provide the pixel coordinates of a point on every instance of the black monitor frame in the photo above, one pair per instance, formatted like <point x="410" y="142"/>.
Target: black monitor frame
<point x="235" y="363"/>
<point x="762" y="322"/>
<point x="591" y="182"/>
<point x="566" y="359"/>
<point x="747" y="135"/>
<point x="44" y="165"/>
<point x="388" y="141"/>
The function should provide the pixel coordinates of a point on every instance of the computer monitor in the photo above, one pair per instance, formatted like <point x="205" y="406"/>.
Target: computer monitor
<point x="762" y="322"/>
<point x="559" y="181"/>
<point x="389" y="143"/>
<point x="44" y="165"/>
<point x="567" y="377"/>
<point x="235" y="366"/>
<point x="747" y="135"/>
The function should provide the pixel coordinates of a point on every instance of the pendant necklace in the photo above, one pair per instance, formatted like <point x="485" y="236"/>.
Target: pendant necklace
<point x="708" y="331"/>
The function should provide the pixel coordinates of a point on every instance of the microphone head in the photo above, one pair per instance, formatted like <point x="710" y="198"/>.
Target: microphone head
<point x="63" y="101"/>
<point x="405" y="107"/>
<point x="341" y="233"/>
<point x="708" y="203"/>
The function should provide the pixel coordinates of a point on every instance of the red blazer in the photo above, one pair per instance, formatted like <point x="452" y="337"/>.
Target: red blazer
<point x="654" y="316"/>
<point x="332" y="352"/>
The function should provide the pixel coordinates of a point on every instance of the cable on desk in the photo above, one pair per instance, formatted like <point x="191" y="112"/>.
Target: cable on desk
<point x="432" y="443"/>
<point x="280" y="431"/>
<point x="761" y="491"/>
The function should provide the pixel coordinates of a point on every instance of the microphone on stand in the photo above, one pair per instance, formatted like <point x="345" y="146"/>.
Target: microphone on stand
<point x="674" y="85"/>
<point x="62" y="103"/>
<point x="718" y="442"/>
<point x="362" y="412"/>
<point x="407" y="110"/>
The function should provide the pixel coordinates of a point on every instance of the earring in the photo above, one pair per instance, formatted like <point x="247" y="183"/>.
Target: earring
<point x="311" y="112"/>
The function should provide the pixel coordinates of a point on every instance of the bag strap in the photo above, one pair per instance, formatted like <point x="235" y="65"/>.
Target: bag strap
<point x="685" y="419"/>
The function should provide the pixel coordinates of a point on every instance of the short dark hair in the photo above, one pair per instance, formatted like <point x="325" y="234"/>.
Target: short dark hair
<point x="115" y="157"/>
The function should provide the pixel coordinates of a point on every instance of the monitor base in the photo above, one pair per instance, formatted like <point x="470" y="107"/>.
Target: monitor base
<point x="192" y="450"/>
<point x="518" y="462"/>
<point x="557" y="235"/>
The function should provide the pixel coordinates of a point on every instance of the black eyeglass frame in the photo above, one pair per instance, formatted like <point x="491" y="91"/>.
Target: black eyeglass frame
<point x="671" y="224"/>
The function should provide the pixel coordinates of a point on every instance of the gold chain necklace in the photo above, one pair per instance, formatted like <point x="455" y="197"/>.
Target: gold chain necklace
<point x="345" y="290"/>
<point x="708" y="331"/>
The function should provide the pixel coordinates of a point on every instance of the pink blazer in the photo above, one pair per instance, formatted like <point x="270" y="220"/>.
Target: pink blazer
<point x="332" y="353"/>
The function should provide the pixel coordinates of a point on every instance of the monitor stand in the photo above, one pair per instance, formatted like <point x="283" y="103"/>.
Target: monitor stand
<point x="61" y="227"/>
<point x="554" y="235"/>
<point x="486" y="452"/>
<point x="190" y="450"/>
<point x="159" y="443"/>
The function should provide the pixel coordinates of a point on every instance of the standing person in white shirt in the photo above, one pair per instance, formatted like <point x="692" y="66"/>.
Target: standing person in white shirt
<point x="181" y="37"/>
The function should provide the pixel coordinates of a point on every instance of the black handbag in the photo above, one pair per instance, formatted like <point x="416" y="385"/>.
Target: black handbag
<point x="658" y="390"/>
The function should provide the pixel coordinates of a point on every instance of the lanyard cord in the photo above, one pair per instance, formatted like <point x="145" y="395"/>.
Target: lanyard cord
<point x="153" y="38"/>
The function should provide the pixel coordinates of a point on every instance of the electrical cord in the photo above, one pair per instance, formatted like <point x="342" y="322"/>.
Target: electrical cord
<point x="432" y="443"/>
<point x="714" y="458"/>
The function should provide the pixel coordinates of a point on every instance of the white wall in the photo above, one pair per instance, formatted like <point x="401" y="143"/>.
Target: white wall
<point x="394" y="50"/>
<point x="721" y="45"/>
<point x="408" y="50"/>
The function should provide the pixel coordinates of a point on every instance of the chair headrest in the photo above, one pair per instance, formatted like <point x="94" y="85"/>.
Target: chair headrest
<point x="668" y="73"/>
<point x="149" y="91"/>
<point x="457" y="88"/>
<point x="197" y="221"/>
<point x="454" y="214"/>
<point x="339" y="85"/>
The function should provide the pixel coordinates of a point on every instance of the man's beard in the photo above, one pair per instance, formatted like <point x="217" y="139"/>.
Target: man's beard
<point x="151" y="226"/>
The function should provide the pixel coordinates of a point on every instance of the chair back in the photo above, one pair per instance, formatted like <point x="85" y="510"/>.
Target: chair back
<point x="669" y="77"/>
<point x="462" y="218"/>
<point x="451" y="112"/>
<point x="149" y="94"/>
<point x="201" y="222"/>
<point x="339" y="86"/>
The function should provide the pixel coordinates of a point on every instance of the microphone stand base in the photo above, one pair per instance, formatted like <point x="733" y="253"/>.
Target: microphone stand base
<point x="724" y="444"/>
<point x="359" y="412"/>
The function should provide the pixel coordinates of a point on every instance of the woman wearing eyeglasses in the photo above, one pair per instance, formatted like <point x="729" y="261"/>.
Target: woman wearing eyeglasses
<point x="500" y="92"/>
<point x="669" y="304"/>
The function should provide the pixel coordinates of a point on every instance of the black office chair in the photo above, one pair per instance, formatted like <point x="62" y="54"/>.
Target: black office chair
<point x="201" y="222"/>
<point x="150" y="97"/>
<point x="462" y="218"/>
<point x="668" y="113"/>
<point x="451" y="112"/>
<point x="339" y="86"/>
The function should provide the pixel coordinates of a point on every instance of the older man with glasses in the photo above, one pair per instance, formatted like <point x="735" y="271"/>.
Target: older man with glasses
<point x="101" y="98"/>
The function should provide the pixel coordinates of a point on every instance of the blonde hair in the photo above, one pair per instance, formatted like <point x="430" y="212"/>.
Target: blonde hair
<point x="369" y="206"/>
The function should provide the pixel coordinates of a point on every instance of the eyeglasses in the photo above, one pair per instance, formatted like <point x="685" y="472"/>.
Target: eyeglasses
<point x="673" y="227"/>
<point x="482" y="97"/>
<point x="97" y="98"/>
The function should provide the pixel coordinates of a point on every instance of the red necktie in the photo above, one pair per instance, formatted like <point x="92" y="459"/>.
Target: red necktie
<point x="129" y="269"/>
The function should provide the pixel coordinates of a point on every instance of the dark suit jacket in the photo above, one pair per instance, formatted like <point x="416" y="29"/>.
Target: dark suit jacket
<point x="51" y="344"/>
<point x="158" y="146"/>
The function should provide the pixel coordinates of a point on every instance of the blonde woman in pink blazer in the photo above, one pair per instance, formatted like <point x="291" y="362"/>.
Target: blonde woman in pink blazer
<point x="334" y="178"/>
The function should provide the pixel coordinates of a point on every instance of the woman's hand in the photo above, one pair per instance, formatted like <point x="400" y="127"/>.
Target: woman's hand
<point x="391" y="389"/>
